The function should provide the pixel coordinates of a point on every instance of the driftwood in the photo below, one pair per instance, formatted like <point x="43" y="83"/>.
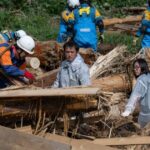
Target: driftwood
<point x="129" y="19"/>
<point x="83" y="105"/>
<point x="50" y="54"/>
<point x="134" y="9"/>
<point x="107" y="63"/>
<point x="32" y="62"/>
<point x="46" y="79"/>
<point x="131" y="29"/>
<point x="113" y="83"/>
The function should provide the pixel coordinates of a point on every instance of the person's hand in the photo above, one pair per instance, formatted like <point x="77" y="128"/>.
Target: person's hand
<point x="101" y="38"/>
<point x="126" y="113"/>
<point x="29" y="75"/>
<point x="135" y="41"/>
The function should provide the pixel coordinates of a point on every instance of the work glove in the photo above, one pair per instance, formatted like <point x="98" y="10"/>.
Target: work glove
<point x="135" y="41"/>
<point x="101" y="38"/>
<point x="126" y="113"/>
<point x="29" y="75"/>
<point x="64" y="37"/>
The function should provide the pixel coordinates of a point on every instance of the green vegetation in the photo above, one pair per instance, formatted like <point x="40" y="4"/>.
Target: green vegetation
<point x="40" y="18"/>
<point x="122" y="39"/>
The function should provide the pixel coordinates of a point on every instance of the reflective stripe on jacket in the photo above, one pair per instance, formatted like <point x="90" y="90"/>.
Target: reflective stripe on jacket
<point x="9" y="63"/>
<point x="144" y="29"/>
<point x="65" y="29"/>
<point x="84" y="22"/>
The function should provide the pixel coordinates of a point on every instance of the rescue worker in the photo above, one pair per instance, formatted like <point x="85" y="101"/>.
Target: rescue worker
<point x="65" y="30"/>
<point x="144" y="30"/>
<point x="140" y="93"/>
<point x="84" y="20"/>
<point x="12" y="58"/>
<point x="73" y="71"/>
<point x="10" y="36"/>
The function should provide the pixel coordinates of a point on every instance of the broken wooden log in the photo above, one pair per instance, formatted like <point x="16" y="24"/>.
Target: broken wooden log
<point x="134" y="9"/>
<point x="49" y="92"/>
<point x="113" y="83"/>
<point x="107" y="63"/>
<point x="46" y="79"/>
<point x="130" y="29"/>
<point x="32" y="62"/>
<point x="50" y="54"/>
<point x="129" y="19"/>
<point x="83" y="105"/>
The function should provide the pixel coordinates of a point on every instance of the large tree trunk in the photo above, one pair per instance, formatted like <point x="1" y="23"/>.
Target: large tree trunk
<point x="113" y="83"/>
<point x="129" y="19"/>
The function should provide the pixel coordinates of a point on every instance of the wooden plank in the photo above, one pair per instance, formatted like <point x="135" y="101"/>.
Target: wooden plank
<point x="25" y="129"/>
<point x="123" y="141"/>
<point x="113" y="83"/>
<point x="128" y="19"/>
<point x="49" y="92"/>
<point x="77" y="144"/>
<point x="10" y="137"/>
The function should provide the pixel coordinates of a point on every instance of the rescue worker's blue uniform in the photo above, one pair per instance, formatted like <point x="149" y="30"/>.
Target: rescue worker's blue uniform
<point x="84" y="20"/>
<point x="145" y="29"/>
<point x="65" y="29"/>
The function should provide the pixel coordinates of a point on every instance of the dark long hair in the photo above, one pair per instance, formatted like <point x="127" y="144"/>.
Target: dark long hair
<point x="143" y="65"/>
<point x="148" y="2"/>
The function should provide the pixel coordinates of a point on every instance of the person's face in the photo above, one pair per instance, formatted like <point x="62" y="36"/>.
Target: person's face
<point x="70" y="53"/>
<point x="22" y="54"/>
<point x="137" y="69"/>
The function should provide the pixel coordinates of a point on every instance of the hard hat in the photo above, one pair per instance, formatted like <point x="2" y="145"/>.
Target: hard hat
<point x="26" y="43"/>
<point x="73" y="3"/>
<point x="19" y="34"/>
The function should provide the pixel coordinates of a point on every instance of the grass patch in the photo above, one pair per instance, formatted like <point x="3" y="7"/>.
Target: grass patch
<point x="122" y="39"/>
<point x="41" y="26"/>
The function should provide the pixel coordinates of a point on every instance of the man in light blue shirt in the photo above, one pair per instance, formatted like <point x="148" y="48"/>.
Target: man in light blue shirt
<point x="73" y="70"/>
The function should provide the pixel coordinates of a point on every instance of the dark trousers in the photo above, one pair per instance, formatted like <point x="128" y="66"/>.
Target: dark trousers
<point x="4" y="82"/>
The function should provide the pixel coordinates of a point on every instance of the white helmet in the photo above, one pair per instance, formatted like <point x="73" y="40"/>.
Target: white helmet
<point x="73" y="3"/>
<point x="26" y="43"/>
<point x="19" y="34"/>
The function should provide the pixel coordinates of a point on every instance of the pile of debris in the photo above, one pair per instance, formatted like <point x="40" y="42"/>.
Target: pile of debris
<point x="91" y="113"/>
